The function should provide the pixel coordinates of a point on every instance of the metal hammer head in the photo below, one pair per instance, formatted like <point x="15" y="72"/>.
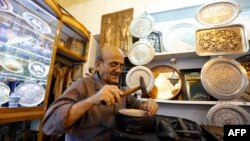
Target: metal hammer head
<point x="143" y="87"/>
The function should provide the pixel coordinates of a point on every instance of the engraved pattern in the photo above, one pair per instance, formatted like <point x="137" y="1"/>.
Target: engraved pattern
<point x="221" y="40"/>
<point x="227" y="114"/>
<point x="224" y="78"/>
<point x="142" y="26"/>
<point x="217" y="13"/>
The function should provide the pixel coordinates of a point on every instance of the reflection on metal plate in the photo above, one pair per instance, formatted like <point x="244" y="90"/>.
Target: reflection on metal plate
<point x="221" y="40"/>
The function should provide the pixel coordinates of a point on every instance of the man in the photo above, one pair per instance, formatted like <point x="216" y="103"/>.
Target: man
<point x="79" y="113"/>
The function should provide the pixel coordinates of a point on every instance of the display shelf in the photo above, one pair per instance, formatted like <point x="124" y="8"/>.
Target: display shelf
<point x="8" y="115"/>
<point x="69" y="54"/>
<point x="178" y="55"/>
<point x="17" y="77"/>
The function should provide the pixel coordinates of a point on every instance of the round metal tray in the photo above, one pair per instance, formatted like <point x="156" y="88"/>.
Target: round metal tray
<point x="4" y="93"/>
<point x="141" y="53"/>
<point x="227" y="114"/>
<point x="167" y="82"/>
<point x="217" y="13"/>
<point x="142" y="26"/>
<point x="224" y="78"/>
<point x="134" y="74"/>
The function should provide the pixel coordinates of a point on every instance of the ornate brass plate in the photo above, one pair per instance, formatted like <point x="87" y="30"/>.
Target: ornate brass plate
<point x="227" y="114"/>
<point x="167" y="82"/>
<point x="224" y="78"/>
<point x="221" y="40"/>
<point x="217" y="13"/>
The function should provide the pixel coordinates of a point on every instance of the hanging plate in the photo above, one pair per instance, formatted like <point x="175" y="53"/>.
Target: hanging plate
<point x="167" y="82"/>
<point x="227" y="114"/>
<point x="141" y="53"/>
<point x="36" y="22"/>
<point x="224" y="78"/>
<point x="31" y="94"/>
<point x="176" y="39"/>
<point x="217" y="13"/>
<point x="142" y="26"/>
<point x="4" y="93"/>
<point x="221" y="40"/>
<point x="134" y="74"/>
<point x="11" y="65"/>
<point x="38" y="69"/>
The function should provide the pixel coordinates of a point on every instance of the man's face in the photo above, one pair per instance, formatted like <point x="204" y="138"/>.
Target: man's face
<point x="110" y="67"/>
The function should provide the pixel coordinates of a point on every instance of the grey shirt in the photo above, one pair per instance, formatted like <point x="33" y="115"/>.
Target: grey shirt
<point x="96" y="124"/>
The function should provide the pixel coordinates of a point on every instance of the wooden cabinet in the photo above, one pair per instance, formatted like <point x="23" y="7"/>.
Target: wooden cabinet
<point x="33" y="35"/>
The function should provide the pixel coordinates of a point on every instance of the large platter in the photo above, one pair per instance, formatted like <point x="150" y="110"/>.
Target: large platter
<point x="167" y="82"/>
<point x="142" y="26"/>
<point x="134" y="74"/>
<point x="36" y="22"/>
<point x="176" y="39"/>
<point x="38" y="69"/>
<point x="11" y="65"/>
<point x="5" y="6"/>
<point x="217" y="13"/>
<point x="4" y="93"/>
<point x="141" y="53"/>
<point x="31" y="94"/>
<point x="224" y="78"/>
<point x="221" y="40"/>
<point x="227" y="114"/>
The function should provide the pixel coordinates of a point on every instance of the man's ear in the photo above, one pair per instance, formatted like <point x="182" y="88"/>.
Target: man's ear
<point x="97" y="65"/>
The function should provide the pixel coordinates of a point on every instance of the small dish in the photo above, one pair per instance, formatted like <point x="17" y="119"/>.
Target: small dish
<point x="12" y="65"/>
<point x="4" y="93"/>
<point x="142" y="26"/>
<point x="38" y="69"/>
<point x="134" y="74"/>
<point x="31" y="94"/>
<point x="141" y="53"/>
<point x="36" y="22"/>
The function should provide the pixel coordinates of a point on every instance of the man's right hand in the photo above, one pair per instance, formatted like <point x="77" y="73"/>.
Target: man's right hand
<point x="110" y="94"/>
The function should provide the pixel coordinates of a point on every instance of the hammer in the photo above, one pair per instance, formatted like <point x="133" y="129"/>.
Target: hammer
<point x="127" y="92"/>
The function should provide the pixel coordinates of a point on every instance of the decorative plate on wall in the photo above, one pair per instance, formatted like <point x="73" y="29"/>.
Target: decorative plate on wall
<point x="167" y="82"/>
<point x="4" y="93"/>
<point x="217" y="13"/>
<point x="224" y="40"/>
<point x="31" y="94"/>
<point x="11" y="65"/>
<point x="36" y="22"/>
<point x="180" y="38"/>
<point x="142" y="26"/>
<point x="38" y="69"/>
<point x="224" y="78"/>
<point x="134" y="74"/>
<point x="227" y="114"/>
<point x="141" y="53"/>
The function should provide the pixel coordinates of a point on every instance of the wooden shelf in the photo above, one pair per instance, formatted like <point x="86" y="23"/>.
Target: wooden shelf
<point x="8" y="115"/>
<point x="70" y="55"/>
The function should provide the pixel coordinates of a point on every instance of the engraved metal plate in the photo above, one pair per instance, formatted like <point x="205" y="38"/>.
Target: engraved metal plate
<point x="217" y="13"/>
<point x="4" y="93"/>
<point x="224" y="78"/>
<point x="176" y="39"/>
<point x="141" y="53"/>
<point x="221" y="40"/>
<point x="227" y="114"/>
<point x="134" y="74"/>
<point x="38" y="69"/>
<point x="142" y="26"/>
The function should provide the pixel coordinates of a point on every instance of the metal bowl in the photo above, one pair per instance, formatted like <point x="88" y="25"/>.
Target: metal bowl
<point x="135" y="120"/>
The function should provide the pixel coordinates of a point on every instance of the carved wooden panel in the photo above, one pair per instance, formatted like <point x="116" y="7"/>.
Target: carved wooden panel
<point x="115" y="29"/>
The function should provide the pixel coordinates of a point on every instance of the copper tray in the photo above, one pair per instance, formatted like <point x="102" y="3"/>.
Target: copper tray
<point x="167" y="85"/>
<point x="227" y="114"/>
<point x="221" y="40"/>
<point x="224" y="78"/>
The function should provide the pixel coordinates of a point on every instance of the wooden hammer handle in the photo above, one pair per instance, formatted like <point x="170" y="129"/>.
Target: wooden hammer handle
<point x="130" y="91"/>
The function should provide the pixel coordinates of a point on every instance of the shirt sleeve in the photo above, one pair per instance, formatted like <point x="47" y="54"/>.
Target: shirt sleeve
<point x="53" y="123"/>
<point x="133" y="102"/>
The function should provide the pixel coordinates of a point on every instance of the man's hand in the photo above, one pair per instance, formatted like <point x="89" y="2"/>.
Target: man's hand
<point x="110" y="94"/>
<point x="151" y="106"/>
